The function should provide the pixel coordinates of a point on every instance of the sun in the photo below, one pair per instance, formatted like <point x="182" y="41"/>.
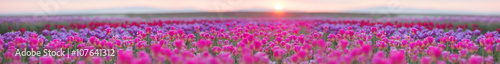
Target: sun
<point x="278" y="6"/>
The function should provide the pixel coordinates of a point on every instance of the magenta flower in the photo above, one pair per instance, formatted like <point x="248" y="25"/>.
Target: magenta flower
<point x="141" y="45"/>
<point x="203" y="45"/>
<point x="148" y="30"/>
<point x="96" y="60"/>
<point x="374" y="30"/>
<point x="488" y="49"/>
<point x="426" y="60"/>
<point x="179" y="44"/>
<point x="229" y="48"/>
<point x="413" y="31"/>
<point x="19" y="40"/>
<point x="454" y="58"/>
<point x="381" y="45"/>
<point x="498" y="47"/>
<point x="443" y="40"/>
<point x="441" y="62"/>
<point x="33" y="42"/>
<point x="321" y="44"/>
<point x="33" y="60"/>
<point x="380" y="58"/>
<point x="81" y="62"/>
<point x="397" y="57"/>
<point x="489" y="60"/>
<point x="142" y="58"/>
<point x="475" y="59"/>
<point x="278" y="54"/>
<point x="47" y="60"/>
<point x="452" y="39"/>
<point x="446" y="55"/>
<point x="125" y="57"/>
<point x="434" y="52"/>
<point x="216" y="49"/>
<point x="108" y="31"/>
<point x="343" y="44"/>
<point x="33" y="35"/>
<point x="463" y="53"/>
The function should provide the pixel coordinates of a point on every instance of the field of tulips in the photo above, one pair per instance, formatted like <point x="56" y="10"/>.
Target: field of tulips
<point x="247" y="41"/>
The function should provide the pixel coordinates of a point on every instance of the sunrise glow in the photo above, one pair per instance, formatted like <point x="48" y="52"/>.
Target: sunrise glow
<point x="278" y="6"/>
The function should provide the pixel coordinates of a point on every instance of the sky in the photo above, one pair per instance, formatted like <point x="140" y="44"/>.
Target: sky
<point x="16" y="6"/>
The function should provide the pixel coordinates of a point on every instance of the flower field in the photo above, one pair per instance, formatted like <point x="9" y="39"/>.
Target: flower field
<point x="249" y="41"/>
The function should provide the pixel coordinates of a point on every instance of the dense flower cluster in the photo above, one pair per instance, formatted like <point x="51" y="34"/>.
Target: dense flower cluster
<point x="258" y="42"/>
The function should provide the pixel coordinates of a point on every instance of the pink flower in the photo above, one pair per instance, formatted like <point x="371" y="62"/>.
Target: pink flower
<point x="475" y="59"/>
<point x="108" y="31"/>
<point x="443" y="40"/>
<point x="374" y="30"/>
<point x="413" y="31"/>
<point x="93" y="40"/>
<point x="190" y="37"/>
<point x="452" y="39"/>
<point x="19" y="40"/>
<point x="257" y="45"/>
<point x="397" y="57"/>
<point x="404" y="43"/>
<point x="434" y="52"/>
<point x="148" y="30"/>
<point x="96" y="60"/>
<point x="454" y="58"/>
<point x="216" y="49"/>
<point x="47" y="60"/>
<point x="380" y="58"/>
<point x="141" y="45"/>
<point x="203" y="45"/>
<point x="33" y="60"/>
<point x="33" y="42"/>
<point x="426" y="60"/>
<point x="343" y="44"/>
<point x="69" y="58"/>
<point x="180" y="32"/>
<point x="445" y="55"/>
<point x="381" y="45"/>
<point x="226" y="58"/>
<point x="141" y="34"/>
<point x="125" y="57"/>
<point x="320" y="44"/>
<point x="441" y="62"/>
<point x="142" y="58"/>
<point x="59" y="61"/>
<point x="463" y="53"/>
<point x="488" y="49"/>
<point x="463" y="60"/>
<point x="34" y="35"/>
<point x="489" y="60"/>
<point x="155" y="49"/>
<point x="81" y="62"/>
<point x="229" y="48"/>
<point x="278" y="54"/>
<point x="179" y="44"/>
<point x="8" y="55"/>
<point x="197" y="28"/>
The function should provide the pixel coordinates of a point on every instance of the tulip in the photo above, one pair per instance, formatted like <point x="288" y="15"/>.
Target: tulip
<point x="475" y="59"/>
<point x="216" y="49"/>
<point x="426" y="60"/>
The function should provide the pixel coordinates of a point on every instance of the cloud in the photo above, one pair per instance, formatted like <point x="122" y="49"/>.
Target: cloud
<point x="12" y="6"/>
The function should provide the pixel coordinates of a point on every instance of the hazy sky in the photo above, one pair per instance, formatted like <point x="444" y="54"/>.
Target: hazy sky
<point x="13" y="6"/>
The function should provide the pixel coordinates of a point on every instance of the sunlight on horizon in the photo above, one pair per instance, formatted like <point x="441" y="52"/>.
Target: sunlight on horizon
<point x="278" y="6"/>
